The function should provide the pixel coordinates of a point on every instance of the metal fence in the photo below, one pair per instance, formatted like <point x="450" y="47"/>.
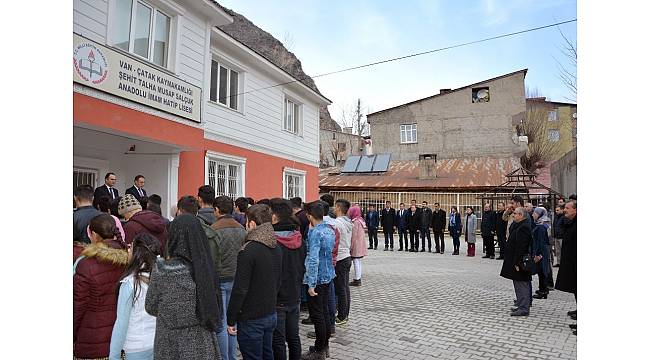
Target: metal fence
<point x="446" y="200"/>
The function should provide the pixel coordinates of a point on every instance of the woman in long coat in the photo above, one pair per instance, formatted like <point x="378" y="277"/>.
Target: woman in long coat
<point x="567" y="279"/>
<point x="183" y="296"/>
<point x="470" y="231"/>
<point x="541" y="251"/>
<point x="357" y="243"/>
<point x="518" y="244"/>
<point x="455" y="228"/>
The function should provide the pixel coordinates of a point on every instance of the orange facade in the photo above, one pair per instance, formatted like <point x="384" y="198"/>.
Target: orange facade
<point x="263" y="172"/>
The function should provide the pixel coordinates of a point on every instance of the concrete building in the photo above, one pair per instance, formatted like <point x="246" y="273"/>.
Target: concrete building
<point x="561" y="126"/>
<point x="473" y="121"/>
<point x="160" y="90"/>
<point x="336" y="146"/>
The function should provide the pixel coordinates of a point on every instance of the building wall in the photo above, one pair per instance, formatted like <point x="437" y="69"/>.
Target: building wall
<point x="330" y="148"/>
<point x="565" y="124"/>
<point x="564" y="173"/>
<point x="451" y="126"/>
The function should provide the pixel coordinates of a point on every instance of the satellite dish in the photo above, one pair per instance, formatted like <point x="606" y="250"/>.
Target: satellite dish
<point x="575" y="115"/>
<point x="482" y="94"/>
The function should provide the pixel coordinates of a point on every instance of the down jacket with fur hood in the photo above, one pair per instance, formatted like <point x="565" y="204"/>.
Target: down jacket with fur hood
<point x="95" y="302"/>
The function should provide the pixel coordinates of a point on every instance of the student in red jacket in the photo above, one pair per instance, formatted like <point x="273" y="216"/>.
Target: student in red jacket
<point x="96" y="275"/>
<point x="138" y="221"/>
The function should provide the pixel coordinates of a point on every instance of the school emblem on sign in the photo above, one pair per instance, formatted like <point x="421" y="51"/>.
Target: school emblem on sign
<point x="90" y="63"/>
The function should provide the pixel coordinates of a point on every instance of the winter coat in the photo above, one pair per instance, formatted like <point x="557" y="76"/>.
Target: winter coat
<point x="457" y="229"/>
<point x="488" y="223"/>
<point x="413" y="220"/>
<point x="215" y="251"/>
<point x="400" y="221"/>
<point x="500" y="225"/>
<point x="343" y="225"/>
<point x="171" y="298"/>
<point x="358" y="242"/>
<point x="388" y="220"/>
<point x="257" y="279"/>
<point x="206" y="215"/>
<point x="558" y="226"/>
<point x="319" y="268"/>
<point x="230" y="236"/>
<point x="94" y="301"/>
<point x="426" y="217"/>
<point x="80" y="220"/>
<point x="304" y="224"/>
<point x="293" y="262"/>
<point x="470" y="229"/>
<point x="372" y="219"/>
<point x="439" y="220"/>
<point x="518" y="245"/>
<point x="148" y="222"/>
<point x="541" y="247"/>
<point x="567" y="275"/>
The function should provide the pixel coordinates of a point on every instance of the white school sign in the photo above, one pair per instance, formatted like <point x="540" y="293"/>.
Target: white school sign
<point x="111" y="71"/>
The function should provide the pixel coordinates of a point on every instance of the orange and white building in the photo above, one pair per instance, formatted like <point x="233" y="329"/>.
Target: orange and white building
<point x="160" y="91"/>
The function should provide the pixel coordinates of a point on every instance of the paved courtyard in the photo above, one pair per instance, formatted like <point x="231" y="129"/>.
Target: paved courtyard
<point x="432" y="306"/>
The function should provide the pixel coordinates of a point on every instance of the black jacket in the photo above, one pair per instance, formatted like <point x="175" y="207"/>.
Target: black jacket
<point x="488" y="223"/>
<point x="293" y="262"/>
<point x="81" y="218"/>
<point x="134" y="191"/>
<point x="426" y="216"/>
<point x="257" y="280"/>
<point x="518" y="245"/>
<point x="567" y="275"/>
<point x="103" y="191"/>
<point x="558" y="226"/>
<point x="439" y="220"/>
<point x="500" y="225"/>
<point x="388" y="219"/>
<point x="413" y="220"/>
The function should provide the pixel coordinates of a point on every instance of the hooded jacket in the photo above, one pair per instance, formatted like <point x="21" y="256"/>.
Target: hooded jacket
<point x="293" y="259"/>
<point x="257" y="280"/>
<point x="149" y="222"/>
<point x="94" y="302"/>
<point x="229" y="237"/>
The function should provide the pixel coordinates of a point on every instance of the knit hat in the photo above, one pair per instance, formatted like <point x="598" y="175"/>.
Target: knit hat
<point x="127" y="204"/>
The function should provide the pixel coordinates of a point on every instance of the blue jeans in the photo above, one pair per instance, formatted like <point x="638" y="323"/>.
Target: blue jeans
<point x="331" y="304"/>
<point x="227" y="343"/>
<point x="287" y="332"/>
<point x="140" y="355"/>
<point x="255" y="337"/>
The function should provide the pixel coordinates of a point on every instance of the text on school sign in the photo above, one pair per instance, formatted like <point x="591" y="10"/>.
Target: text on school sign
<point x="108" y="70"/>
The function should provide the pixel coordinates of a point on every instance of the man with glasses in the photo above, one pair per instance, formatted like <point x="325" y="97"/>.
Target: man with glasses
<point x="519" y="240"/>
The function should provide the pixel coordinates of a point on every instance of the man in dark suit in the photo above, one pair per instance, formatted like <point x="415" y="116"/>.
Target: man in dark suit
<point x="413" y="224"/>
<point x="108" y="189"/>
<point x="488" y="230"/>
<point x="137" y="189"/>
<point x="438" y="225"/>
<point x="426" y="216"/>
<point x="387" y="220"/>
<point x="372" y="221"/>
<point x="400" y="221"/>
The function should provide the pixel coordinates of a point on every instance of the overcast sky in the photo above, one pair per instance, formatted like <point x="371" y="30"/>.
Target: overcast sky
<point x="331" y="35"/>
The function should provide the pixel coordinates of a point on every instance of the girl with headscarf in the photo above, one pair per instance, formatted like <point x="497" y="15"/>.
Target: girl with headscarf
<point x="358" y="242"/>
<point x="541" y="251"/>
<point x="96" y="275"/>
<point x="183" y="295"/>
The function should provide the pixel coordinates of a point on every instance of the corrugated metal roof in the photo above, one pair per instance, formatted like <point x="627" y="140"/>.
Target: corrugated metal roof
<point x="451" y="173"/>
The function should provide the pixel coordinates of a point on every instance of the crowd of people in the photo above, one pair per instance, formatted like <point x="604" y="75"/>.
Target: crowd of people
<point x="225" y="275"/>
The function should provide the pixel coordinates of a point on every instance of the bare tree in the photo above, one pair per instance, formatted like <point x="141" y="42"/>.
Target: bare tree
<point x="535" y="125"/>
<point x="568" y="73"/>
<point x="355" y="117"/>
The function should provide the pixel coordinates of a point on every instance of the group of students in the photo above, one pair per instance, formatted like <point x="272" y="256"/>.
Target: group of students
<point x="222" y="275"/>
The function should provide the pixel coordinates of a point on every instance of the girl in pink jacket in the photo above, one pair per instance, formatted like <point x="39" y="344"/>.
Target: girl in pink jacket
<point x="358" y="243"/>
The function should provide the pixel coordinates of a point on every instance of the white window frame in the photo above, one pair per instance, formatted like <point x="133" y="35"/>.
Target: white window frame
<point x="403" y="133"/>
<point x="240" y="81"/>
<point x="287" y="171"/>
<point x="227" y="159"/>
<point x="551" y="139"/>
<point x="552" y="115"/>
<point x="171" y="42"/>
<point x="297" y="125"/>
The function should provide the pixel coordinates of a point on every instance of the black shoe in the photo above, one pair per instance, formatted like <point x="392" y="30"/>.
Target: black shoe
<point x="492" y="257"/>
<point x="541" y="295"/>
<point x="572" y="312"/>
<point x="574" y="317"/>
<point x="391" y="249"/>
<point x="573" y="326"/>
<point x="519" y="313"/>
<point x="312" y="354"/>
<point x="429" y="250"/>
<point x="355" y="282"/>
<point x="575" y="332"/>
<point x="500" y="258"/>
<point x="306" y="321"/>
<point x="385" y="249"/>
<point x="375" y="248"/>
<point x="370" y="248"/>
<point x="422" y="250"/>
<point x="400" y="249"/>
<point x="556" y="265"/>
<point x="485" y="257"/>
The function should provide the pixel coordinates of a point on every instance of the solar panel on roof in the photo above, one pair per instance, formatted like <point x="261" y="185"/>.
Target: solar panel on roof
<point x="351" y="164"/>
<point x="365" y="165"/>
<point x="381" y="163"/>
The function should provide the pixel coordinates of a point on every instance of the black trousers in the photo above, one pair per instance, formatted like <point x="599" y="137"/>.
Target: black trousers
<point x="388" y="238"/>
<point x="439" y="238"/>
<point x="286" y="331"/>
<point x="413" y="234"/>
<point x="501" y="239"/>
<point x="425" y="231"/>
<point x="403" y="239"/>
<point x="342" y="287"/>
<point x="488" y="242"/>
<point x="372" y="237"/>
<point x="319" y="314"/>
